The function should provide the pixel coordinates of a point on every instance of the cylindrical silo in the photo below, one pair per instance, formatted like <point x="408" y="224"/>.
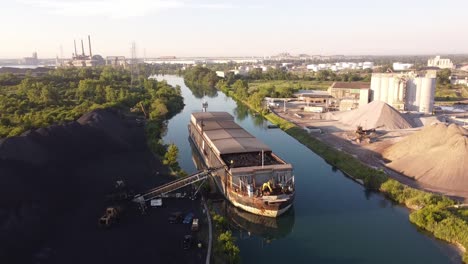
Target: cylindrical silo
<point x="396" y="88"/>
<point x="401" y="89"/>
<point x="391" y="90"/>
<point x="384" y="87"/>
<point x="426" y="100"/>
<point x="375" y="86"/>
<point x="410" y="94"/>
<point x="417" y="98"/>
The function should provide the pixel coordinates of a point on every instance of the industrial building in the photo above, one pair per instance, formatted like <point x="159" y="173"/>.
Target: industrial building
<point x="116" y="61"/>
<point x="81" y="60"/>
<point x="398" y="66"/>
<point x="405" y="91"/>
<point x="349" y="95"/>
<point x="339" y="66"/>
<point x="457" y="80"/>
<point x="30" y="60"/>
<point x="440" y="63"/>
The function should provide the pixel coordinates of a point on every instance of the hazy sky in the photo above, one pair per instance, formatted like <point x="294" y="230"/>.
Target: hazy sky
<point x="214" y="28"/>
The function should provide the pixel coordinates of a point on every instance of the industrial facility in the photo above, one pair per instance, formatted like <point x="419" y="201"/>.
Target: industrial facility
<point x="405" y="91"/>
<point x="440" y="63"/>
<point x="81" y="60"/>
<point x="409" y="91"/>
<point x="30" y="60"/>
<point x="349" y="95"/>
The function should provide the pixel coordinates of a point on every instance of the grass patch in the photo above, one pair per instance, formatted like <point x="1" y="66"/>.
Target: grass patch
<point x="296" y="84"/>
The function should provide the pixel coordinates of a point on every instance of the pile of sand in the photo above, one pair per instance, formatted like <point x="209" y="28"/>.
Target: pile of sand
<point x="437" y="155"/>
<point x="376" y="114"/>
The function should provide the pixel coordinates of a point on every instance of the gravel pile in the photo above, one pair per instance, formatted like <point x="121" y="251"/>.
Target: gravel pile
<point x="437" y="155"/>
<point x="376" y="114"/>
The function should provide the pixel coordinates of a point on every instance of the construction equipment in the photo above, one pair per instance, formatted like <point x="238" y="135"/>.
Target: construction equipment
<point x="110" y="217"/>
<point x="364" y="134"/>
<point x="164" y="189"/>
<point x="267" y="185"/>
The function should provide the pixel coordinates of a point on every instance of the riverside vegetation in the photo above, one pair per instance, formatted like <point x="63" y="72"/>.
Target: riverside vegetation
<point x="64" y="94"/>
<point x="226" y="251"/>
<point x="434" y="213"/>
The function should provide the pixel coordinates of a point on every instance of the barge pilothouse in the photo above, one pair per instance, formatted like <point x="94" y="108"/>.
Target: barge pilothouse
<point x="246" y="172"/>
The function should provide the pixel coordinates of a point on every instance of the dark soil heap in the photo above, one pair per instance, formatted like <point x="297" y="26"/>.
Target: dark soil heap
<point x="38" y="183"/>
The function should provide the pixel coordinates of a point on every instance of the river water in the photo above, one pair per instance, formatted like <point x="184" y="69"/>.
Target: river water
<point x="333" y="220"/>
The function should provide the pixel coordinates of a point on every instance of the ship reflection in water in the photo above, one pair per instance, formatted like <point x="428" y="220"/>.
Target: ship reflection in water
<point x="267" y="228"/>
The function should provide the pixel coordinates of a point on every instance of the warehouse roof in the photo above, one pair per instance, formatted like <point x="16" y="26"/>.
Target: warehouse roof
<point x="351" y="85"/>
<point x="224" y="135"/>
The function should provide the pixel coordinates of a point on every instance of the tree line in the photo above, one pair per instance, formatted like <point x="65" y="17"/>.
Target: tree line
<point x="64" y="94"/>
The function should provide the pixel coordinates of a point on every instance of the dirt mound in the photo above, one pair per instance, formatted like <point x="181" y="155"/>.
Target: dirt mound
<point x="376" y="114"/>
<point x="38" y="181"/>
<point x="437" y="155"/>
<point x="99" y="131"/>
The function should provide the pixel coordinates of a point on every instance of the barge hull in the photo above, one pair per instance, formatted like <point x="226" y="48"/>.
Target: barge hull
<point x="211" y="152"/>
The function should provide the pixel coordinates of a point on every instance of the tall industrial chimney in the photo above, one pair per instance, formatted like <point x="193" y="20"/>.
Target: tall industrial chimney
<point x="74" y="41"/>
<point x="82" y="47"/>
<point x="90" y="53"/>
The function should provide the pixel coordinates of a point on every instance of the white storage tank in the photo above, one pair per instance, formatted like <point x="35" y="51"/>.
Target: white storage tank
<point x="375" y="87"/>
<point x="426" y="101"/>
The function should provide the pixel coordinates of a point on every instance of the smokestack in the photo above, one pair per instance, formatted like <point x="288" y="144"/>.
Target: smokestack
<point x="82" y="47"/>
<point x="89" y="41"/>
<point x="74" y="41"/>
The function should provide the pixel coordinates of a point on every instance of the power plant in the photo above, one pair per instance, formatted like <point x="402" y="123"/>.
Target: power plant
<point x="405" y="91"/>
<point x="82" y="60"/>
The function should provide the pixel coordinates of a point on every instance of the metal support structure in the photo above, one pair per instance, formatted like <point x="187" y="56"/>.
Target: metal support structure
<point x="172" y="186"/>
<point x="198" y="189"/>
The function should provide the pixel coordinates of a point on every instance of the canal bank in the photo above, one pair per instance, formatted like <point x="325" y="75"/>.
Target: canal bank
<point x="450" y="225"/>
<point x="333" y="219"/>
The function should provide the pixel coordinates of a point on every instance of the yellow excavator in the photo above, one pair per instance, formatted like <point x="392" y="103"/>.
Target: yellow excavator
<point x="111" y="215"/>
<point x="365" y="135"/>
<point x="267" y="186"/>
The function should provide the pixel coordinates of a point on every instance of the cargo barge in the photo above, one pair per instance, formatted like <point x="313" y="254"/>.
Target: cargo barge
<point x="247" y="172"/>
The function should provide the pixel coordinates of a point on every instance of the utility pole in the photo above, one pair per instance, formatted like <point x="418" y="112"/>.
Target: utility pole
<point x="134" y="66"/>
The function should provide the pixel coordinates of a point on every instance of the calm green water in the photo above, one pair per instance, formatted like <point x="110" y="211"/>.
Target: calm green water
<point x="334" y="220"/>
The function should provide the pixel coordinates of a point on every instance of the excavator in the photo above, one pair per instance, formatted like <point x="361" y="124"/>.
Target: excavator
<point x="267" y="186"/>
<point x="364" y="134"/>
<point x="111" y="215"/>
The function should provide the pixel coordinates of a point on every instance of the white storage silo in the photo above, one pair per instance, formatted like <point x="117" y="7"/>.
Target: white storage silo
<point x="391" y="90"/>
<point x="426" y="100"/>
<point x="410" y="95"/>
<point x="375" y="87"/>
<point x="384" y="88"/>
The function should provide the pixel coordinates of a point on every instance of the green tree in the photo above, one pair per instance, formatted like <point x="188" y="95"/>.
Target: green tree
<point x="49" y="95"/>
<point x="158" y="109"/>
<point x="443" y="76"/>
<point x="240" y="88"/>
<point x="170" y="158"/>
<point x="110" y="94"/>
